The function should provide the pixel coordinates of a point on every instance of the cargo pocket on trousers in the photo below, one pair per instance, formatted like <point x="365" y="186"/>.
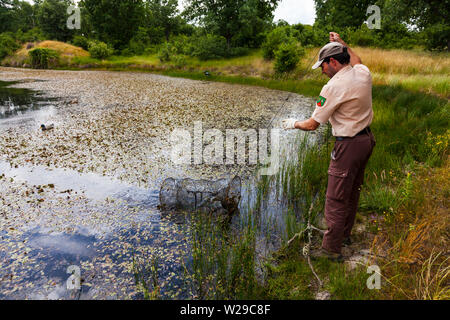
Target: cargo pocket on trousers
<point x="337" y="183"/>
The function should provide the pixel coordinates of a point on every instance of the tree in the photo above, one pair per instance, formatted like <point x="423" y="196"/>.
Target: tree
<point x="341" y="13"/>
<point x="112" y="21"/>
<point x="26" y="16"/>
<point x="277" y="37"/>
<point x="5" y="15"/>
<point x="15" y="15"/>
<point x="52" y="17"/>
<point x="429" y="16"/>
<point x="242" y="19"/>
<point x="164" y="14"/>
<point x="421" y="13"/>
<point x="256" y="18"/>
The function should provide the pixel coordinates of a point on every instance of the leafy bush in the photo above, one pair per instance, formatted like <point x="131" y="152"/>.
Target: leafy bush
<point x="204" y="47"/>
<point x="395" y="35"/>
<point x="179" y="61"/>
<point x="306" y="34"/>
<point x="140" y="41"/>
<point x="210" y="47"/>
<point x="166" y="52"/>
<point x="99" y="50"/>
<point x="275" y="38"/>
<point x="42" y="57"/>
<point x="135" y="47"/>
<point x="152" y="49"/>
<point x="7" y="45"/>
<point x="126" y="52"/>
<point x="31" y="35"/>
<point x="238" y="51"/>
<point x="390" y="36"/>
<point x="287" y="56"/>
<point x="437" y="37"/>
<point x="362" y="36"/>
<point x="183" y="44"/>
<point x="81" y="42"/>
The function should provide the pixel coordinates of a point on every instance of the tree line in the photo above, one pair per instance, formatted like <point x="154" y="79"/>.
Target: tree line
<point x="220" y="28"/>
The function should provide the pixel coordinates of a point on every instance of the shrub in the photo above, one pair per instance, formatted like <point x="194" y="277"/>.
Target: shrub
<point x="179" y="61"/>
<point x="204" y="47"/>
<point x="126" y="52"/>
<point x="210" y="47"/>
<point x="238" y="51"/>
<point x="306" y="34"/>
<point x="362" y="36"/>
<point x="275" y="38"/>
<point x="287" y="56"/>
<point x="152" y="49"/>
<point x="31" y="35"/>
<point x="183" y="44"/>
<point x="437" y="37"/>
<point x="135" y="47"/>
<point x="141" y="40"/>
<point x="81" y="41"/>
<point x="166" y="52"/>
<point x="322" y="35"/>
<point x="42" y="57"/>
<point x="7" y="45"/>
<point x="99" y="50"/>
<point x="394" y="35"/>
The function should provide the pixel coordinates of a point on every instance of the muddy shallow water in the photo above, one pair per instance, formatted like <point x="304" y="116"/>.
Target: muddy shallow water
<point x="86" y="192"/>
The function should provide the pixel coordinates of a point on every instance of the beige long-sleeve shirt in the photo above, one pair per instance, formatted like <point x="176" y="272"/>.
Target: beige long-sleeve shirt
<point x="346" y="101"/>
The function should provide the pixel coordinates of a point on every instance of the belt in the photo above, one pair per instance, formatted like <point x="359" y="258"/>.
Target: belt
<point x="364" y="131"/>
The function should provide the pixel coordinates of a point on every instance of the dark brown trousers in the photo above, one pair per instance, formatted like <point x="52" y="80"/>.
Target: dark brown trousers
<point x="345" y="178"/>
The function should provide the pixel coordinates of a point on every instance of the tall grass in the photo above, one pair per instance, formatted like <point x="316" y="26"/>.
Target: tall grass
<point x="415" y="238"/>
<point x="404" y="61"/>
<point x="146" y="276"/>
<point x="433" y="284"/>
<point x="222" y="263"/>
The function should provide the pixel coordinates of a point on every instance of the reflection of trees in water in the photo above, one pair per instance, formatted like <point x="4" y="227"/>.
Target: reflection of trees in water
<point x="15" y="101"/>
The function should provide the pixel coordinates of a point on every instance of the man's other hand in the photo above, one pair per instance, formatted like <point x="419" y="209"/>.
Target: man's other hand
<point x="289" y="124"/>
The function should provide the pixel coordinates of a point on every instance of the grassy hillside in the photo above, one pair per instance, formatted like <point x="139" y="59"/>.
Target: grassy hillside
<point x="66" y="51"/>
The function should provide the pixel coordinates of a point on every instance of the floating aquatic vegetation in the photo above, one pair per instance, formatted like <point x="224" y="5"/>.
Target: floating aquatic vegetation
<point x="115" y="125"/>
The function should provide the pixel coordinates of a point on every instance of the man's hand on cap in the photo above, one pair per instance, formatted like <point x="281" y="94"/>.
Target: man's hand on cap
<point x="335" y="37"/>
<point x="289" y="124"/>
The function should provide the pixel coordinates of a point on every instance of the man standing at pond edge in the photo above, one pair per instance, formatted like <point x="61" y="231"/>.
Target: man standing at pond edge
<point x="346" y="102"/>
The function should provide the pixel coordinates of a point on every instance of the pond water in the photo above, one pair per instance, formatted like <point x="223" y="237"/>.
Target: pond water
<point x="53" y="218"/>
<point x="104" y="228"/>
<point x="23" y="106"/>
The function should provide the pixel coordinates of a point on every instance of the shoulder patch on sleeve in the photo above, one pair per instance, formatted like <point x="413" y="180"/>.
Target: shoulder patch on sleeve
<point x="321" y="101"/>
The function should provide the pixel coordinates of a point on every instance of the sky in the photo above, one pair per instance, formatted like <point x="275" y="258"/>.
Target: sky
<point x="295" y="11"/>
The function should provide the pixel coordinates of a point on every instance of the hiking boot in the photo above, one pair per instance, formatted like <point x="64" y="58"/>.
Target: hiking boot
<point x="347" y="242"/>
<point x="322" y="253"/>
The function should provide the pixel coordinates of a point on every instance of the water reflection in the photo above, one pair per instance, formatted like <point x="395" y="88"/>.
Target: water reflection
<point x="91" y="185"/>
<point x="21" y="106"/>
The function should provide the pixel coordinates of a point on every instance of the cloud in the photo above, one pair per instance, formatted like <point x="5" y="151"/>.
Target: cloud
<point x="295" y="11"/>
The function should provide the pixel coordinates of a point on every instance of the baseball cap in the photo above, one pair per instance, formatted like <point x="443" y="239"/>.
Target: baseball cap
<point x="328" y="50"/>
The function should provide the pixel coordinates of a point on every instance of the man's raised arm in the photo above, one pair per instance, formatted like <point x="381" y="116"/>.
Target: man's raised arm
<point x="354" y="58"/>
